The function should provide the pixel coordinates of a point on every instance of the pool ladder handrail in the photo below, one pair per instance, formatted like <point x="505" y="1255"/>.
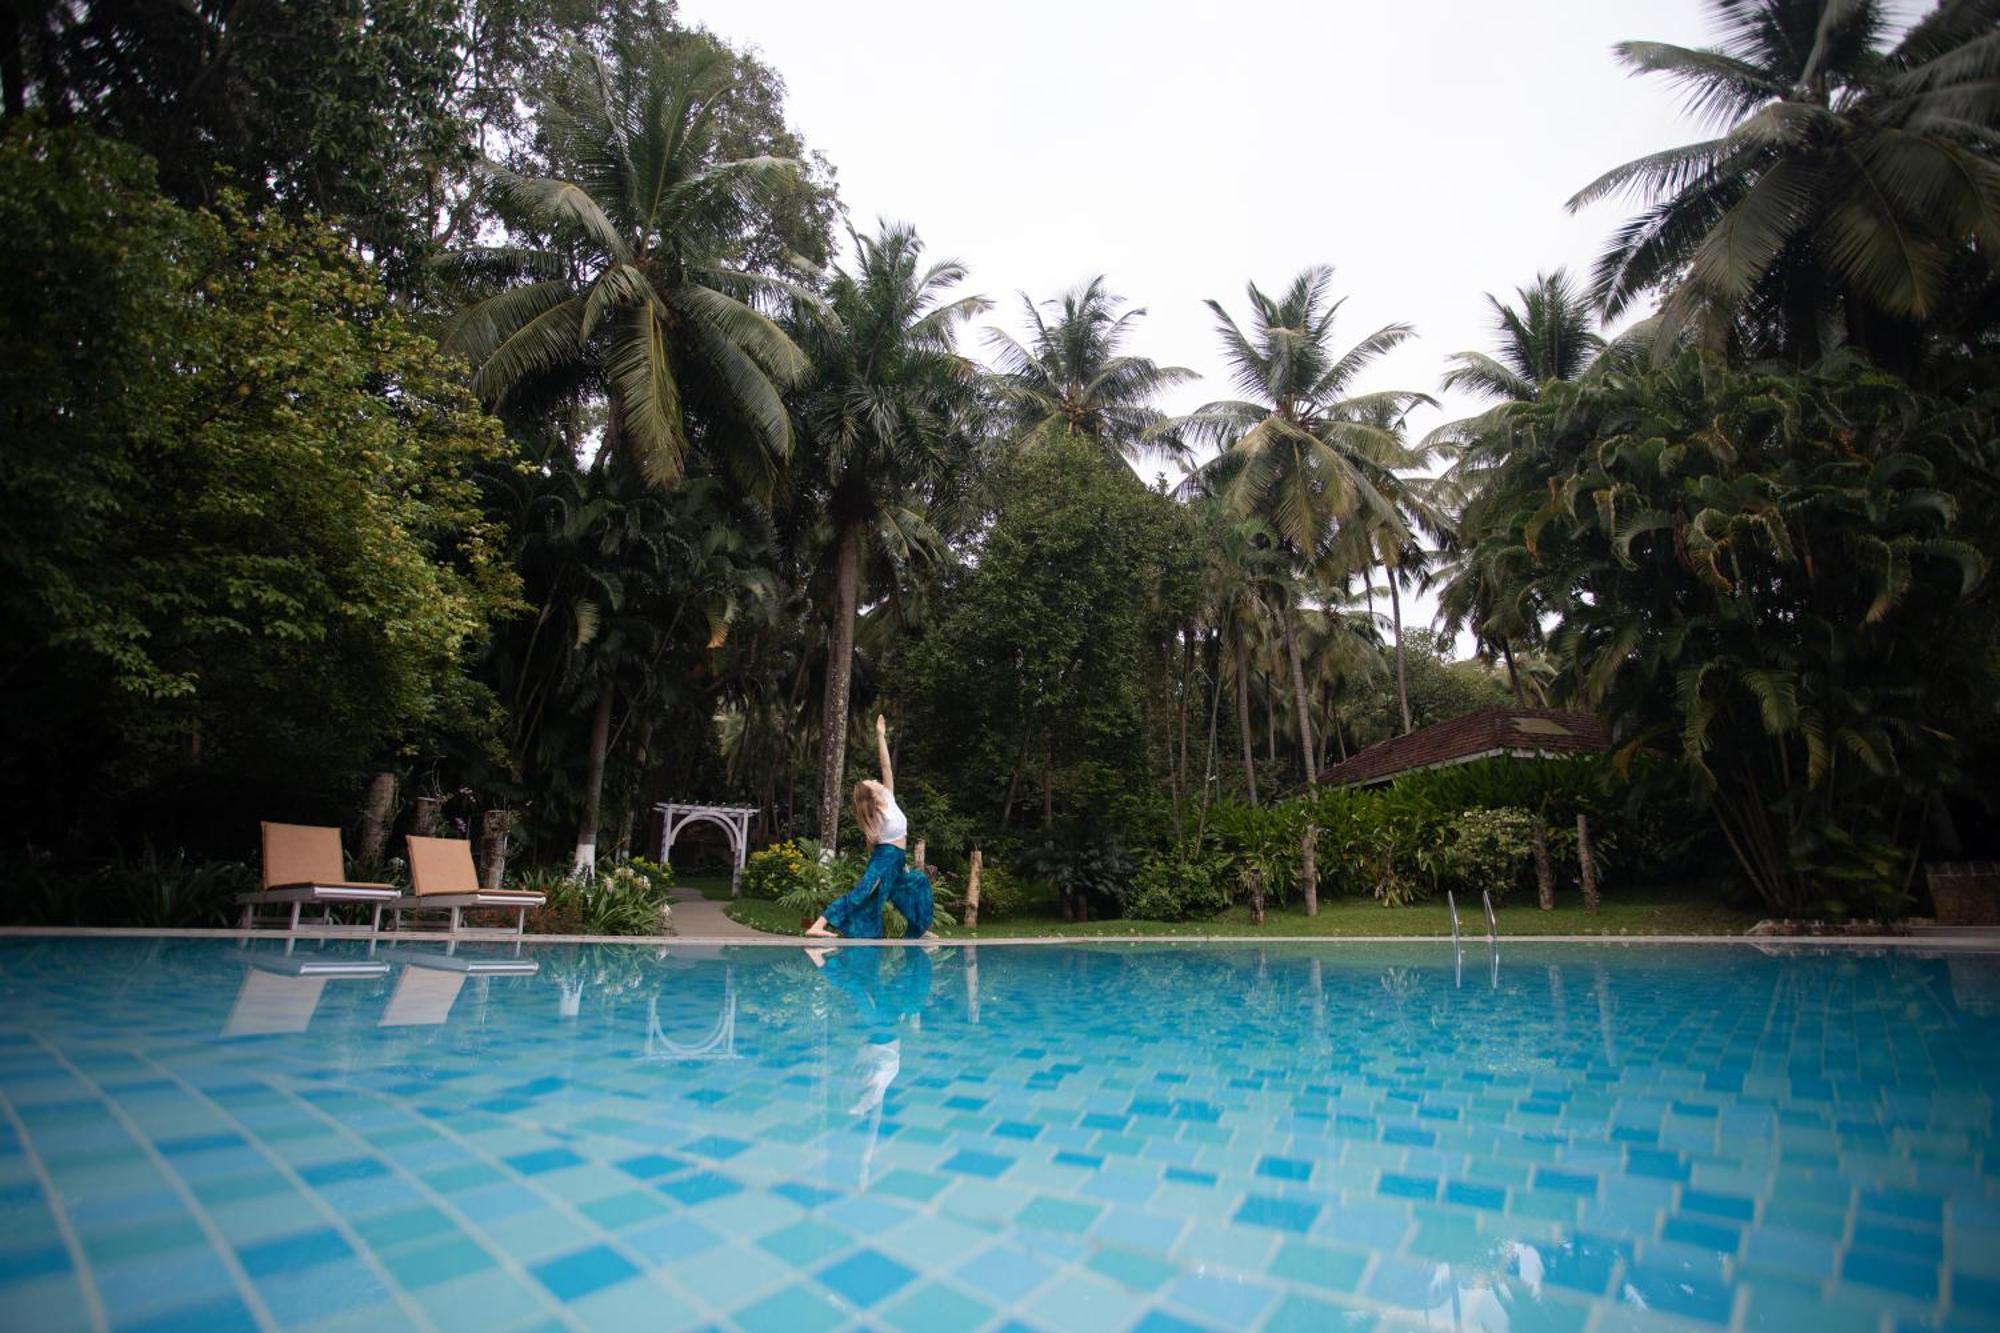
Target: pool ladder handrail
<point x="1492" y="926"/>
<point x="1452" y="903"/>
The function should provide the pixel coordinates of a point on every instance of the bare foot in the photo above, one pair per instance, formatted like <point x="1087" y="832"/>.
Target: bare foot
<point x="818" y="930"/>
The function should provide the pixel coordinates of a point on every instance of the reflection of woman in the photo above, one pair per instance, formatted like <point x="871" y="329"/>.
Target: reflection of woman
<point x="882" y="1008"/>
<point x="857" y="914"/>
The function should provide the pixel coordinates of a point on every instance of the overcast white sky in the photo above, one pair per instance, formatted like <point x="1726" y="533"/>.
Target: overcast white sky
<point x="1424" y="148"/>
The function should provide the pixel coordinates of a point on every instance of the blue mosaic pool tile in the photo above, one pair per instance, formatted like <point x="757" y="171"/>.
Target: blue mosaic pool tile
<point x="936" y="1308"/>
<point x="866" y="1277"/>
<point x="582" y="1272"/>
<point x="1281" y="1214"/>
<point x="1005" y="1273"/>
<point x="1891" y="1273"/>
<point x="983" y="1164"/>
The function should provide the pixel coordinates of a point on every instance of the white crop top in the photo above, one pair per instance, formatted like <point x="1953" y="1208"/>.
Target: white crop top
<point x="895" y="824"/>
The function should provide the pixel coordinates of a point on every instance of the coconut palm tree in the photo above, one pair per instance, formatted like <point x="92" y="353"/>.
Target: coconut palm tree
<point x="1073" y="375"/>
<point x="884" y="427"/>
<point x="1852" y="183"/>
<point x="628" y="289"/>
<point x="1301" y="451"/>
<point x="1547" y="338"/>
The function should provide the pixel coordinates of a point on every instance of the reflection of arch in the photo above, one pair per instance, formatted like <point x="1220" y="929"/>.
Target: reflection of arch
<point x="719" y="1044"/>
<point x="734" y="820"/>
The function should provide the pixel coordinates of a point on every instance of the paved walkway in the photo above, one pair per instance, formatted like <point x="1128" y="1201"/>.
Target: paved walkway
<point x="697" y="918"/>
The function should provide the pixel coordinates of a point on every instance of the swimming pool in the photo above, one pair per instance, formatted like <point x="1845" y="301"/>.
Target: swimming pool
<point x="198" y="1134"/>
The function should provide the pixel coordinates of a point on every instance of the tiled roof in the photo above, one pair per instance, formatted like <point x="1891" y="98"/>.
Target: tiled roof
<point x="1527" y="732"/>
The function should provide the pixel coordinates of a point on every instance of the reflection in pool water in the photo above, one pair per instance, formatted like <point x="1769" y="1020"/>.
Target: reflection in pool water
<point x="199" y="1133"/>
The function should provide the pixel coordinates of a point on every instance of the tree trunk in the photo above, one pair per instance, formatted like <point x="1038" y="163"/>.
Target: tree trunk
<point x="1309" y="862"/>
<point x="1402" y="672"/>
<point x="1214" y="709"/>
<point x="496" y="827"/>
<point x="972" y="873"/>
<point x="1257" y="897"/>
<point x="1586" y="862"/>
<point x="1014" y="779"/>
<point x="839" y="677"/>
<point x="377" y="808"/>
<point x="593" y="786"/>
<point x="917" y="854"/>
<point x="1513" y="673"/>
<point x="1545" y="875"/>
<point x="424" y="816"/>
<point x="1270" y="719"/>
<point x="1243" y="718"/>
<point x="1048" y="780"/>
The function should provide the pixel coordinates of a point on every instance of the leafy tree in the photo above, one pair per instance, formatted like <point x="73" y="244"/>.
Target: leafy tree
<point x="334" y="107"/>
<point x="883" y="419"/>
<point x="244" y="556"/>
<point x="635" y="291"/>
<point x="1852" y="185"/>
<point x="1764" y="573"/>
<point x="1072" y="375"/>
<point x="1038" y="662"/>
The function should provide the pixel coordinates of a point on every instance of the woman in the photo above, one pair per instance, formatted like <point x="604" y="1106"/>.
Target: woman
<point x="857" y="914"/>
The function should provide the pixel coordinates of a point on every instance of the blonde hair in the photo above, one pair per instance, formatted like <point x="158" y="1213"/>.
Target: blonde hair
<point x="869" y="807"/>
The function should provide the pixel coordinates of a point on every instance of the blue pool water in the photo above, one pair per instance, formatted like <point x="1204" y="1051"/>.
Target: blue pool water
<point x="196" y="1135"/>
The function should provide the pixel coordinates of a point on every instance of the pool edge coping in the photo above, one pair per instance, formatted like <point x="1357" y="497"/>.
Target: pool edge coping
<point x="1972" y="941"/>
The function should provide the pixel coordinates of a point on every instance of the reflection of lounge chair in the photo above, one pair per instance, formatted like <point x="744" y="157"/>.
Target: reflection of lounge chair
<point x="430" y="984"/>
<point x="442" y="878"/>
<point x="280" y="994"/>
<point x="303" y="864"/>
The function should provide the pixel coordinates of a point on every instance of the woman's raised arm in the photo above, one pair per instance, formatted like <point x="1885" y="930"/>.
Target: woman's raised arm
<point x="882" y="751"/>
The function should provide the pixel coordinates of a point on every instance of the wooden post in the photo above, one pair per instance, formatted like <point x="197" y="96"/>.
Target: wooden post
<point x="1586" y="863"/>
<point x="425" y="821"/>
<point x="1545" y="874"/>
<point x="495" y="827"/>
<point x="376" y="809"/>
<point x="1257" y="897"/>
<point x="917" y="855"/>
<point x="972" y="889"/>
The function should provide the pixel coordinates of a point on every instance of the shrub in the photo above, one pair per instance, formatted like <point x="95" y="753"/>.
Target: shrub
<point x="1178" y="889"/>
<point x="1479" y="850"/>
<point x="620" y="900"/>
<point x="1001" y="892"/>
<point x="784" y="869"/>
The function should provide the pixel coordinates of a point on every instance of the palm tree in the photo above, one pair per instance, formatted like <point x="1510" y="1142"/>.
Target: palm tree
<point x="1548" y="338"/>
<point x="1302" y="454"/>
<point x="631" y="292"/>
<point x="883" y="423"/>
<point x="1851" y="187"/>
<point x="1072" y="375"/>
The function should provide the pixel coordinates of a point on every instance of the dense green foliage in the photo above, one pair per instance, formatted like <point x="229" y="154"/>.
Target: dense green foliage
<point x="243" y="549"/>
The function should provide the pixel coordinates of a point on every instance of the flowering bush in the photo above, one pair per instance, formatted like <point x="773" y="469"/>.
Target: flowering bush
<point x="783" y="870"/>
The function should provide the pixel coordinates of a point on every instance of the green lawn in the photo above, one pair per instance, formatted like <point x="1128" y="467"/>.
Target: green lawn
<point x="1637" y="912"/>
<point x="710" y="884"/>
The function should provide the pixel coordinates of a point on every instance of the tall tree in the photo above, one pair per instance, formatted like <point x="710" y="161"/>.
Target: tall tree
<point x="1302" y="452"/>
<point x="633" y="292"/>
<point x="1073" y="375"/>
<point x="1852" y="183"/>
<point x="883" y="419"/>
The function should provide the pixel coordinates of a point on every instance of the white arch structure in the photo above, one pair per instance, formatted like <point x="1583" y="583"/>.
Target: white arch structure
<point x="719" y="1044"/>
<point x="733" y="819"/>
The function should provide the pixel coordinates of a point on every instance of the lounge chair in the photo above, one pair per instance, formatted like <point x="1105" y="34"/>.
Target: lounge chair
<point x="442" y="878"/>
<point x="303" y="864"/>
<point x="280" y="994"/>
